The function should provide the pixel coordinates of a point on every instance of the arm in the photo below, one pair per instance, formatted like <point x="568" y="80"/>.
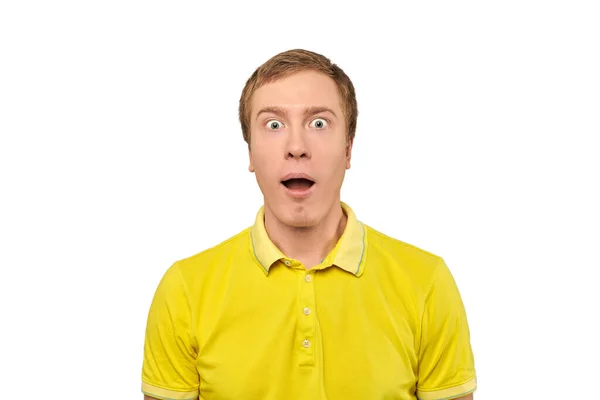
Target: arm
<point x="170" y="350"/>
<point x="446" y="364"/>
<point x="467" y="397"/>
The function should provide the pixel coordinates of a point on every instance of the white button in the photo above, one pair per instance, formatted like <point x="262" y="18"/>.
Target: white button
<point x="308" y="278"/>
<point x="306" y="311"/>
<point x="287" y="263"/>
<point x="306" y="343"/>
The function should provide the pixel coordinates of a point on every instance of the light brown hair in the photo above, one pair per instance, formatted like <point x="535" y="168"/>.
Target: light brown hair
<point x="289" y="62"/>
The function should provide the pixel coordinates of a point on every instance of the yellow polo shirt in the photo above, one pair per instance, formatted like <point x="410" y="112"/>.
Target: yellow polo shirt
<point x="377" y="319"/>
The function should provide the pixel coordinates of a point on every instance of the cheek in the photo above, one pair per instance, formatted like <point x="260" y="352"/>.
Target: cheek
<point x="336" y="167"/>
<point x="265" y="170"/>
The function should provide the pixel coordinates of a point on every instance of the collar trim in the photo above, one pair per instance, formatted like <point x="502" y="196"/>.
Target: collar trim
<point x="348" y="254"/>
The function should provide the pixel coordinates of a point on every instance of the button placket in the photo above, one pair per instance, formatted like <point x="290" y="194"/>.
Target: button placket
<point x="306" y="323"/>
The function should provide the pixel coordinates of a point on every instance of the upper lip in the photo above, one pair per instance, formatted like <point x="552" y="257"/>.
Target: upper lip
<point x="296" y="175"/>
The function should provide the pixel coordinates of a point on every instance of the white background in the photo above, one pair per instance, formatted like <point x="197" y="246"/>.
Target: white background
<point x="121" y="152"/>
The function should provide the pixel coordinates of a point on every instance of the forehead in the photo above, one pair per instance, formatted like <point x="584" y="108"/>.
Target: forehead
<point x="298" y="91"/>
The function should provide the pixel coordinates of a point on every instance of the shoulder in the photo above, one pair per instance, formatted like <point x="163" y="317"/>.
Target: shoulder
<point x="402" y="258"/>
<point x="214" y="257"/>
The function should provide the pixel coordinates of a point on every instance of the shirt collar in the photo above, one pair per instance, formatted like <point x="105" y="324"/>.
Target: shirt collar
<point x="348" y="254"/>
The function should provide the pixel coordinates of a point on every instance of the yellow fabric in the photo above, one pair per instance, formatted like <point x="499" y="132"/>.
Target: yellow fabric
<point x="450" y="393"/>
<point x="377" y="319"/>
<point x="165" y="394"/>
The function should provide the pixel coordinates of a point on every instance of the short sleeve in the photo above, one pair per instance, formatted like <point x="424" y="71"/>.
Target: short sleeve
<point x="169" y="367"/>
<point x="446" y="362"/>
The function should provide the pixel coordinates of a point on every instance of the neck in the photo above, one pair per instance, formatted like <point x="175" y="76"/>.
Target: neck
<point x="309" y="245"/>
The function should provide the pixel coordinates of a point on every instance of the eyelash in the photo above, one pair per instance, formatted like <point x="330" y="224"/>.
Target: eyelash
<point x="323" y="118"/>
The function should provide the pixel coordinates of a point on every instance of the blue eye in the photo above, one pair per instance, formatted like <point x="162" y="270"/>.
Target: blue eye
<point x="274" y="125"/>
<point x="318" y="123"/>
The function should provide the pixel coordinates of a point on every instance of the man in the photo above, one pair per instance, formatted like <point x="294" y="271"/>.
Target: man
<point x="308" y="303"/>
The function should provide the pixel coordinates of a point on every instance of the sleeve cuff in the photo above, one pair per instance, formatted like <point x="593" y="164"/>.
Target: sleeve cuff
<point x="165" y="394"/>
<point x="449" y="393"/>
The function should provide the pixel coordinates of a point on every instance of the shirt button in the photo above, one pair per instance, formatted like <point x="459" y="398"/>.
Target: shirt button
<point x="306" y="343"/>
<point x="306" y="311"/>
<point x="287" y="263"/>
<point x="308" y="278"/>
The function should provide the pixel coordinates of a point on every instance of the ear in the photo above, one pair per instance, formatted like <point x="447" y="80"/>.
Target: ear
<point x="349" y="152"/>
<point x="251" y="165"/>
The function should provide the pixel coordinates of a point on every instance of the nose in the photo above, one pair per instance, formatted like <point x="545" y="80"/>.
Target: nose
<point x="296" y="145"/>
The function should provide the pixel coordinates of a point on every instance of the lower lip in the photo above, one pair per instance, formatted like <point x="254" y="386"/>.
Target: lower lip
<point x="299" y="193"/>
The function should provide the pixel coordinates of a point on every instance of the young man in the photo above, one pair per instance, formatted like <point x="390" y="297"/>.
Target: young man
<point x="308" y="303"/>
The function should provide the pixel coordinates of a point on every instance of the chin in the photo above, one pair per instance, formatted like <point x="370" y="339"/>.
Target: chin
<point x="299" y="222"/>
<point x="301" y="217"/>
<point x="297" y="215"/>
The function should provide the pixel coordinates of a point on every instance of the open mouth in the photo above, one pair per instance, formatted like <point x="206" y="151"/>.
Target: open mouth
<point x="298" y="183"/>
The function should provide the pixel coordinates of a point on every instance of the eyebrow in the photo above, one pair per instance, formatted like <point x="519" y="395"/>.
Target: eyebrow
<point x="312" y="110"/>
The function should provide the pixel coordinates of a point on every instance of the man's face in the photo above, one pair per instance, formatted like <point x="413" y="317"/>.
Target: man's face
<point x="298" y="147"/>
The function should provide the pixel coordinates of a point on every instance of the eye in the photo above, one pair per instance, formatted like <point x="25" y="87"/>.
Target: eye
<point x="274" y="125"/>
<point x="318" y="123"/>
